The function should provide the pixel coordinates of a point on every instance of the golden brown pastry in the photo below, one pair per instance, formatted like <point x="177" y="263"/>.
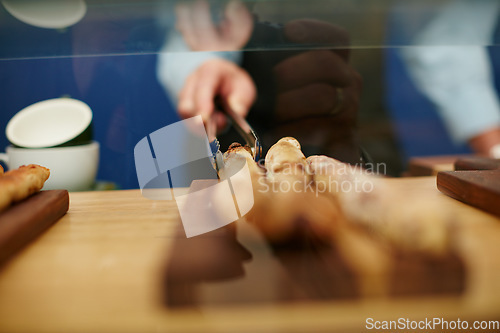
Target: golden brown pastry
<point x="1" y="170"/>
<point x="394" y="215"/>
<point x="236" y="156"/>
<point x="16" y="185"/>
<point x="285" y="162"/>
<point x="370" y="260"/>
<point x="234" y="160"/>
<point x="319" y="194"/>
<point x="293" y="208"/>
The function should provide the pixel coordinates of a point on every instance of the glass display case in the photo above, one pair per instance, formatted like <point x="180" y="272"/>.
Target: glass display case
<point x="373" y="83"/>
<point x="129" y="61"/>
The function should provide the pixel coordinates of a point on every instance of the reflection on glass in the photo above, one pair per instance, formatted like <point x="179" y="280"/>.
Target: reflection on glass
<point x="206" y="25"/>
<point x="292" y="67"/>
<point x="237" y="266"/>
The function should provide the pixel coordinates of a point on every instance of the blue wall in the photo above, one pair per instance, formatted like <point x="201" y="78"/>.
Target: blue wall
<point x="127" y="101"/>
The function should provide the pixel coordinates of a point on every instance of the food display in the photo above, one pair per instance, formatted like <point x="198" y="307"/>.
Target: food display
<point x="285" y="201"/>
<point x="326" y="194"/>
<point x="376" y="234"/>
<point x="245" y="166"/>
<point x="25" y="210"/>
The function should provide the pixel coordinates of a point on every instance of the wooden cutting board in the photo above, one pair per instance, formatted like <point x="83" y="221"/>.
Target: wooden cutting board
<point x="476" y="182"/>
<point x="26" y="220"/>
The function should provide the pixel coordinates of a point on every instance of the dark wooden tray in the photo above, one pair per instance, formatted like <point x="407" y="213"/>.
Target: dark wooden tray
<point x="26" y="220"/>
<point x="476" y="182"/>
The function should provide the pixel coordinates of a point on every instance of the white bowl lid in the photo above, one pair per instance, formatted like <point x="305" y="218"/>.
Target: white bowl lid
<point x="49" y="123"/>
<point x="51" y="14"/>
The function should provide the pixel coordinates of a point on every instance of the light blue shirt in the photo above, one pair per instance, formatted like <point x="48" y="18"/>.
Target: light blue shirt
<point x="451" y="66"/>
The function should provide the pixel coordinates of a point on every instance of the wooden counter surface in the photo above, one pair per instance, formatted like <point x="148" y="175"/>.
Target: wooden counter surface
<point x="100" y="269"/>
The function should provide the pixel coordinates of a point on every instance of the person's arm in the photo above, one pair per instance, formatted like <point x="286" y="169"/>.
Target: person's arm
<point x="310" y="92"/>
<point x="457" y="77"/>
<point x="176" y="62"/>
<point x="199" y="60"/>
<point x="487" y="142"/>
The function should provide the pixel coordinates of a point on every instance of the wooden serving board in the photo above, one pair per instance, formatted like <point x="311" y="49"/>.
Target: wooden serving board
<point x="476" y="182"/>
<point x="98" y="270"/>
<point x="431" y="165"/>
<point x="476" y="163"/>
<point x="23" y="222"/>
<point x="313" y="270"/>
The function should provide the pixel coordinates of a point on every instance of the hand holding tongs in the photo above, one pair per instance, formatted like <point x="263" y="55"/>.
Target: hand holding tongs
<point x="240" y="124"/>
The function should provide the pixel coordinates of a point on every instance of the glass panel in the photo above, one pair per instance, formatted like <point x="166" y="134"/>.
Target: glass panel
<point x="129" y="60"/>
<point x="59" y="28"/>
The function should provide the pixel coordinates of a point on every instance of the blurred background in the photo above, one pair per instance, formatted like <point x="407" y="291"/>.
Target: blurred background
<point x="109" y="60"/>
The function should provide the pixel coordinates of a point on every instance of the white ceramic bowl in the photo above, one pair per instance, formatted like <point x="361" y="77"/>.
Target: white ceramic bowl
<point x="50" y="14"/>
<point x="50" y="123"/>
<point x="72" y="168"/>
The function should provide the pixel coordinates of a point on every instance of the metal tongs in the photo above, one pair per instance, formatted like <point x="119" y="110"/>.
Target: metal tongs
<point x="241" y="126"/>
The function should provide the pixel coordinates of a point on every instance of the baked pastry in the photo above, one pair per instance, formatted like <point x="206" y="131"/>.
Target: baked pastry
<point x="285" y="162"/>
<point x="235" y="159"/>
<point x="292" y="208"/>
<point x="318" y="195"/>
<point x="360" y="230"/>
<point x="392" y="214"/>
<point x="18" y="184"/>
<point x="372" y="236"/>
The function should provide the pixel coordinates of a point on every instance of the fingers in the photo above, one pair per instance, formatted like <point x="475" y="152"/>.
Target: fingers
<point x="199" y="91"/>
<point x="205" y="90"/>
<point x="186" y="106"/>
<point x="206" y="31"/>
<point x="307" y="31"/>
<point x="312" y="67"/>
<point x="194" y="21"/>
<point x="238" y="90"/>
<point x="216" y="77"/>
<point x="185" y="26"/>
<point x="238" y="24"/>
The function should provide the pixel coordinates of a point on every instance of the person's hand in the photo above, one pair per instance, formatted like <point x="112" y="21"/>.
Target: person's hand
<point x="318" y="92"/>
<point x="317" y="82"/>
<point x="487" y="143"/>
<point x="194" y="22"/>
<point x="216" y="77"/>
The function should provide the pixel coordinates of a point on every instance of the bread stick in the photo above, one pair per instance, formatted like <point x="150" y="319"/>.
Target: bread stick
<point x="16" y="185"/>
